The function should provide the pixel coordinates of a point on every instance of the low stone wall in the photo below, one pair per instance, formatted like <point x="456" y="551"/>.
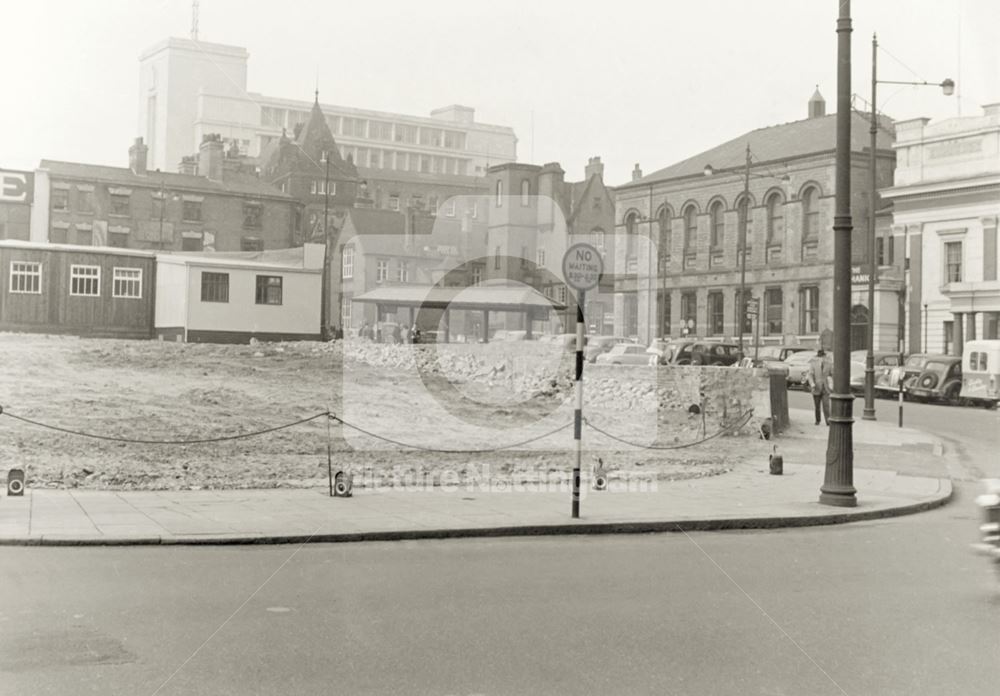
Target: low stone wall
<point x="689" y="401"/>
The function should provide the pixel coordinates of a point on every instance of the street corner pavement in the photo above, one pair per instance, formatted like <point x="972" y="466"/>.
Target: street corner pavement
<point x="748" y="497"/>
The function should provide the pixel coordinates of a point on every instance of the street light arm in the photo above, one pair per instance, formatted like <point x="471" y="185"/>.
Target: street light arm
<point x="947" y="85"/>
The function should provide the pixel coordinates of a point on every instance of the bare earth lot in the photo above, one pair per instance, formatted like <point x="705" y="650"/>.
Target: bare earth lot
<point x="158" y="390"/>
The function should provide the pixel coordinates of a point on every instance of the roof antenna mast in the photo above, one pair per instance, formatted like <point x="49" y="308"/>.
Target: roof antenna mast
<point x="194" y="20"/>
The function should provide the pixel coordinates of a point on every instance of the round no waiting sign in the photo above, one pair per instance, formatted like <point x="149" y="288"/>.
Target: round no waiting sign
<point x="582" y="266"/>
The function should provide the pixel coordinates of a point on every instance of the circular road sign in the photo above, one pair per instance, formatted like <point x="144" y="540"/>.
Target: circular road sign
<point x="582" y="266"/>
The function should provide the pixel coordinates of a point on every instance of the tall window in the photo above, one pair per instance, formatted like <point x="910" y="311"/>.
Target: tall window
<point x="690" y="234"/>
<point x="718" y="237"/>
<point x="809" y="310"/>
<point x="120" y="204"/>
<point x="26" y="277"/>
<point x="884" y="250"/>
<point x="773" y="312"/>
<point x="251" y="215"/>
<point x="598" y="237"/>
<point x="810" y="215"/>
<point x="745" y="222"/>
<point x="84" y="201"/>
<point x="525" y="192"/>
<point x="541" y="257"/>
<point x="477" y="275"/>
<point x="496" y="258"/>
<point x="85" y="281"/>
<point x="60" y="199"/>
<point x="192" y="211"/>
<point x="127" y="283"/>
<point x="631" y="242"/>
<point x="741" y="314"/>
<point x="953" y="262"/>
<point x="345" y="311"/>
<point x="716" y="314"/>
<point x="775" y="219"/>
<point x="268" y="290"/>
<point x="381" y="271"/>
<point x="404" y="272"/>
<point x="393" y="202"/>
<point x="347" y="265"/>
<point x="663" y="239"/>
<point x="499" y="194"/>
<point x="214" y="287"/>
<point x="689" y="309"/>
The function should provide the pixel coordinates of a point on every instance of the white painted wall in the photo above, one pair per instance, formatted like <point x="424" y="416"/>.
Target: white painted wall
<point x="171" y="295"/>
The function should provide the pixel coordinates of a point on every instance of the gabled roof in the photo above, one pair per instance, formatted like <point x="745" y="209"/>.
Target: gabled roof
<point x="232" y="182"/>
<point x="782" y="142"/>
<point x="315" y="137"/>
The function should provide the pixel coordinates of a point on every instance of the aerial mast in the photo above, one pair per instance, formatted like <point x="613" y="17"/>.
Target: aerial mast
<point x="194" y="20"/>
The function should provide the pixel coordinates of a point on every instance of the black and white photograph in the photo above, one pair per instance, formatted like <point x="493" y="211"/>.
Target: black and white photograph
<point x="462" y="349"/>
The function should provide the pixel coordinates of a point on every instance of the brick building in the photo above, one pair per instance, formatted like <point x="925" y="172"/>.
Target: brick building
<point x="677" y="237"/>
<point x="216" y="204"/>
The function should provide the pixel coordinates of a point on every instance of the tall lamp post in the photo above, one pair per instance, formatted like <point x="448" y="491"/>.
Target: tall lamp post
<point x="741" y="300"/>
<point x="324" y="304"/>
<point x="838" y="477"/>
<point x="948" y="88"/>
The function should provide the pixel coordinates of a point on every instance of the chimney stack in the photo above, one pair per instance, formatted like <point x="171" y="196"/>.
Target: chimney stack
<point x="210" y="157"/>
<point x="636" y="173"/>
<point x="594" y="168"/>
<point x="189" y="165"/>
<point x="137" y="157"/>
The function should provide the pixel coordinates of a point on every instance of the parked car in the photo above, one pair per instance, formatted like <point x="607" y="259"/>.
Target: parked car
<point x="857" y="376"/>
<point x="798" y="366"/>
<point x="940" y="379"/>
<point x="598" y="345"/>
<point x="889" y="381"/>
<point x="715" y="354"/>
<point x="624" y="354"/>
<point x="660" y="351"/>
<point x="506" y="335"/>
<point x="681" y="352"/>
<point x="779" y="353"/>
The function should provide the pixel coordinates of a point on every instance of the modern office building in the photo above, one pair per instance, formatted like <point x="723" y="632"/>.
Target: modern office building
<point x="188" y="89"/>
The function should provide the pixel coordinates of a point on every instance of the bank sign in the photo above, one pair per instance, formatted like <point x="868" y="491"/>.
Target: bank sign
<point x="16" y="186"/>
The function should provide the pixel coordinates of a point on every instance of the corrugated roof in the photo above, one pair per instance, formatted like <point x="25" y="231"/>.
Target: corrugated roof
<point x="498" y="297"/>
<point x="233" y="182"/>
<point x="785" y="141"/>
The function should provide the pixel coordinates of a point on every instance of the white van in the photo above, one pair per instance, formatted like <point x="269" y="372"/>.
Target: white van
<point x="981" y="373"/>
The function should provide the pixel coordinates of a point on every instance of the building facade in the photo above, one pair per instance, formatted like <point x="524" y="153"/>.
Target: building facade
<point x="188" y="89"/>
<point x="946" y="202"/>
<point x="679" y="268"/>
<point x="58" y="288"/>
<point x="214" y="206"/>
<point x="17" y="195"/>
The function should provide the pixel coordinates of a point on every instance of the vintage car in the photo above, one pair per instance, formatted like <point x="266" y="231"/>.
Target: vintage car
<point x="888" y="380"/>
<point x="624" y="354"/>
<point x="598" y="345"/>
<point x="798" y="365"/>
<point x="723" y="354"/>
<point x="939" y="379"/>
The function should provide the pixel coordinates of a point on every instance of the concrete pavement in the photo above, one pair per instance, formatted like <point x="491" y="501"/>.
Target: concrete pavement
<point x="748" y="497"/>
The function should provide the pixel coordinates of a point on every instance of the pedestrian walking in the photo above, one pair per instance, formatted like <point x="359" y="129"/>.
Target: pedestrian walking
<point x="820" y="379"/>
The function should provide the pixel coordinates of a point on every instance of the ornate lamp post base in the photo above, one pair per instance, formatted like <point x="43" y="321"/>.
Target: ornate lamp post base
<point x="838" y="484"/>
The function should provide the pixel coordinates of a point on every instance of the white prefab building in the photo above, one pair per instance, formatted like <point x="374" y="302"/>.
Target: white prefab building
<point x="231" y="298"/>
<point x="946" y="201"/>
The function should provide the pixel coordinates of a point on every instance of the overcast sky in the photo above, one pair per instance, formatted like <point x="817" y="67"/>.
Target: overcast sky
<point x="647" y="82"/>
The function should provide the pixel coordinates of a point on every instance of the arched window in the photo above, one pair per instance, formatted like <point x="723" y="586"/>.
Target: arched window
<point x="598" y="237"/>
<point x="810" y="214"/>
<point x="745" y="221"/>
<point x="718" y="237"/>
<point x="664" y="238"/>
<point x="775" y="221"/>
<point x="631" y="232"/>
<point x="499" y="194"/>
<point x="690" y="231"/>
<point x="525" y="192"/>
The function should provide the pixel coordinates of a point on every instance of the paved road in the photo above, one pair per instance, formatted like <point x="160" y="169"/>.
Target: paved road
<point x="973" y="432"/>
<point x="890" y="607"/>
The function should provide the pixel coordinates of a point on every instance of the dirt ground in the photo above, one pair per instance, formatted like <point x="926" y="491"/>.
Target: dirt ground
<point x="150" y="390"/>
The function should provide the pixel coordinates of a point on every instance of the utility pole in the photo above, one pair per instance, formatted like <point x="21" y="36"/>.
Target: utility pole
<point x="324" y="303"/>
<point x="838" y="483"/>
<point x="742" y="304"/>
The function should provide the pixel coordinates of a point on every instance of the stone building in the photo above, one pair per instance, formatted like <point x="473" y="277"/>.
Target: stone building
<point x="946" y="201"/>
<point x="216" y="205"/>
<point x="677" y="236"/>
<point x="533" y="216"/>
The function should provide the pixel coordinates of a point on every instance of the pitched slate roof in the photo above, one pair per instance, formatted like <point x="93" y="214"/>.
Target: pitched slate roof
<point x="782" y="142"/>
<point x="232" y="183"/>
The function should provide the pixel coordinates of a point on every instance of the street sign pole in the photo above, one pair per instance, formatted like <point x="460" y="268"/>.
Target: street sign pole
<point x="582" y="268"/>
<point x="756" y="338"/>
<point x="578" y="412"/>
